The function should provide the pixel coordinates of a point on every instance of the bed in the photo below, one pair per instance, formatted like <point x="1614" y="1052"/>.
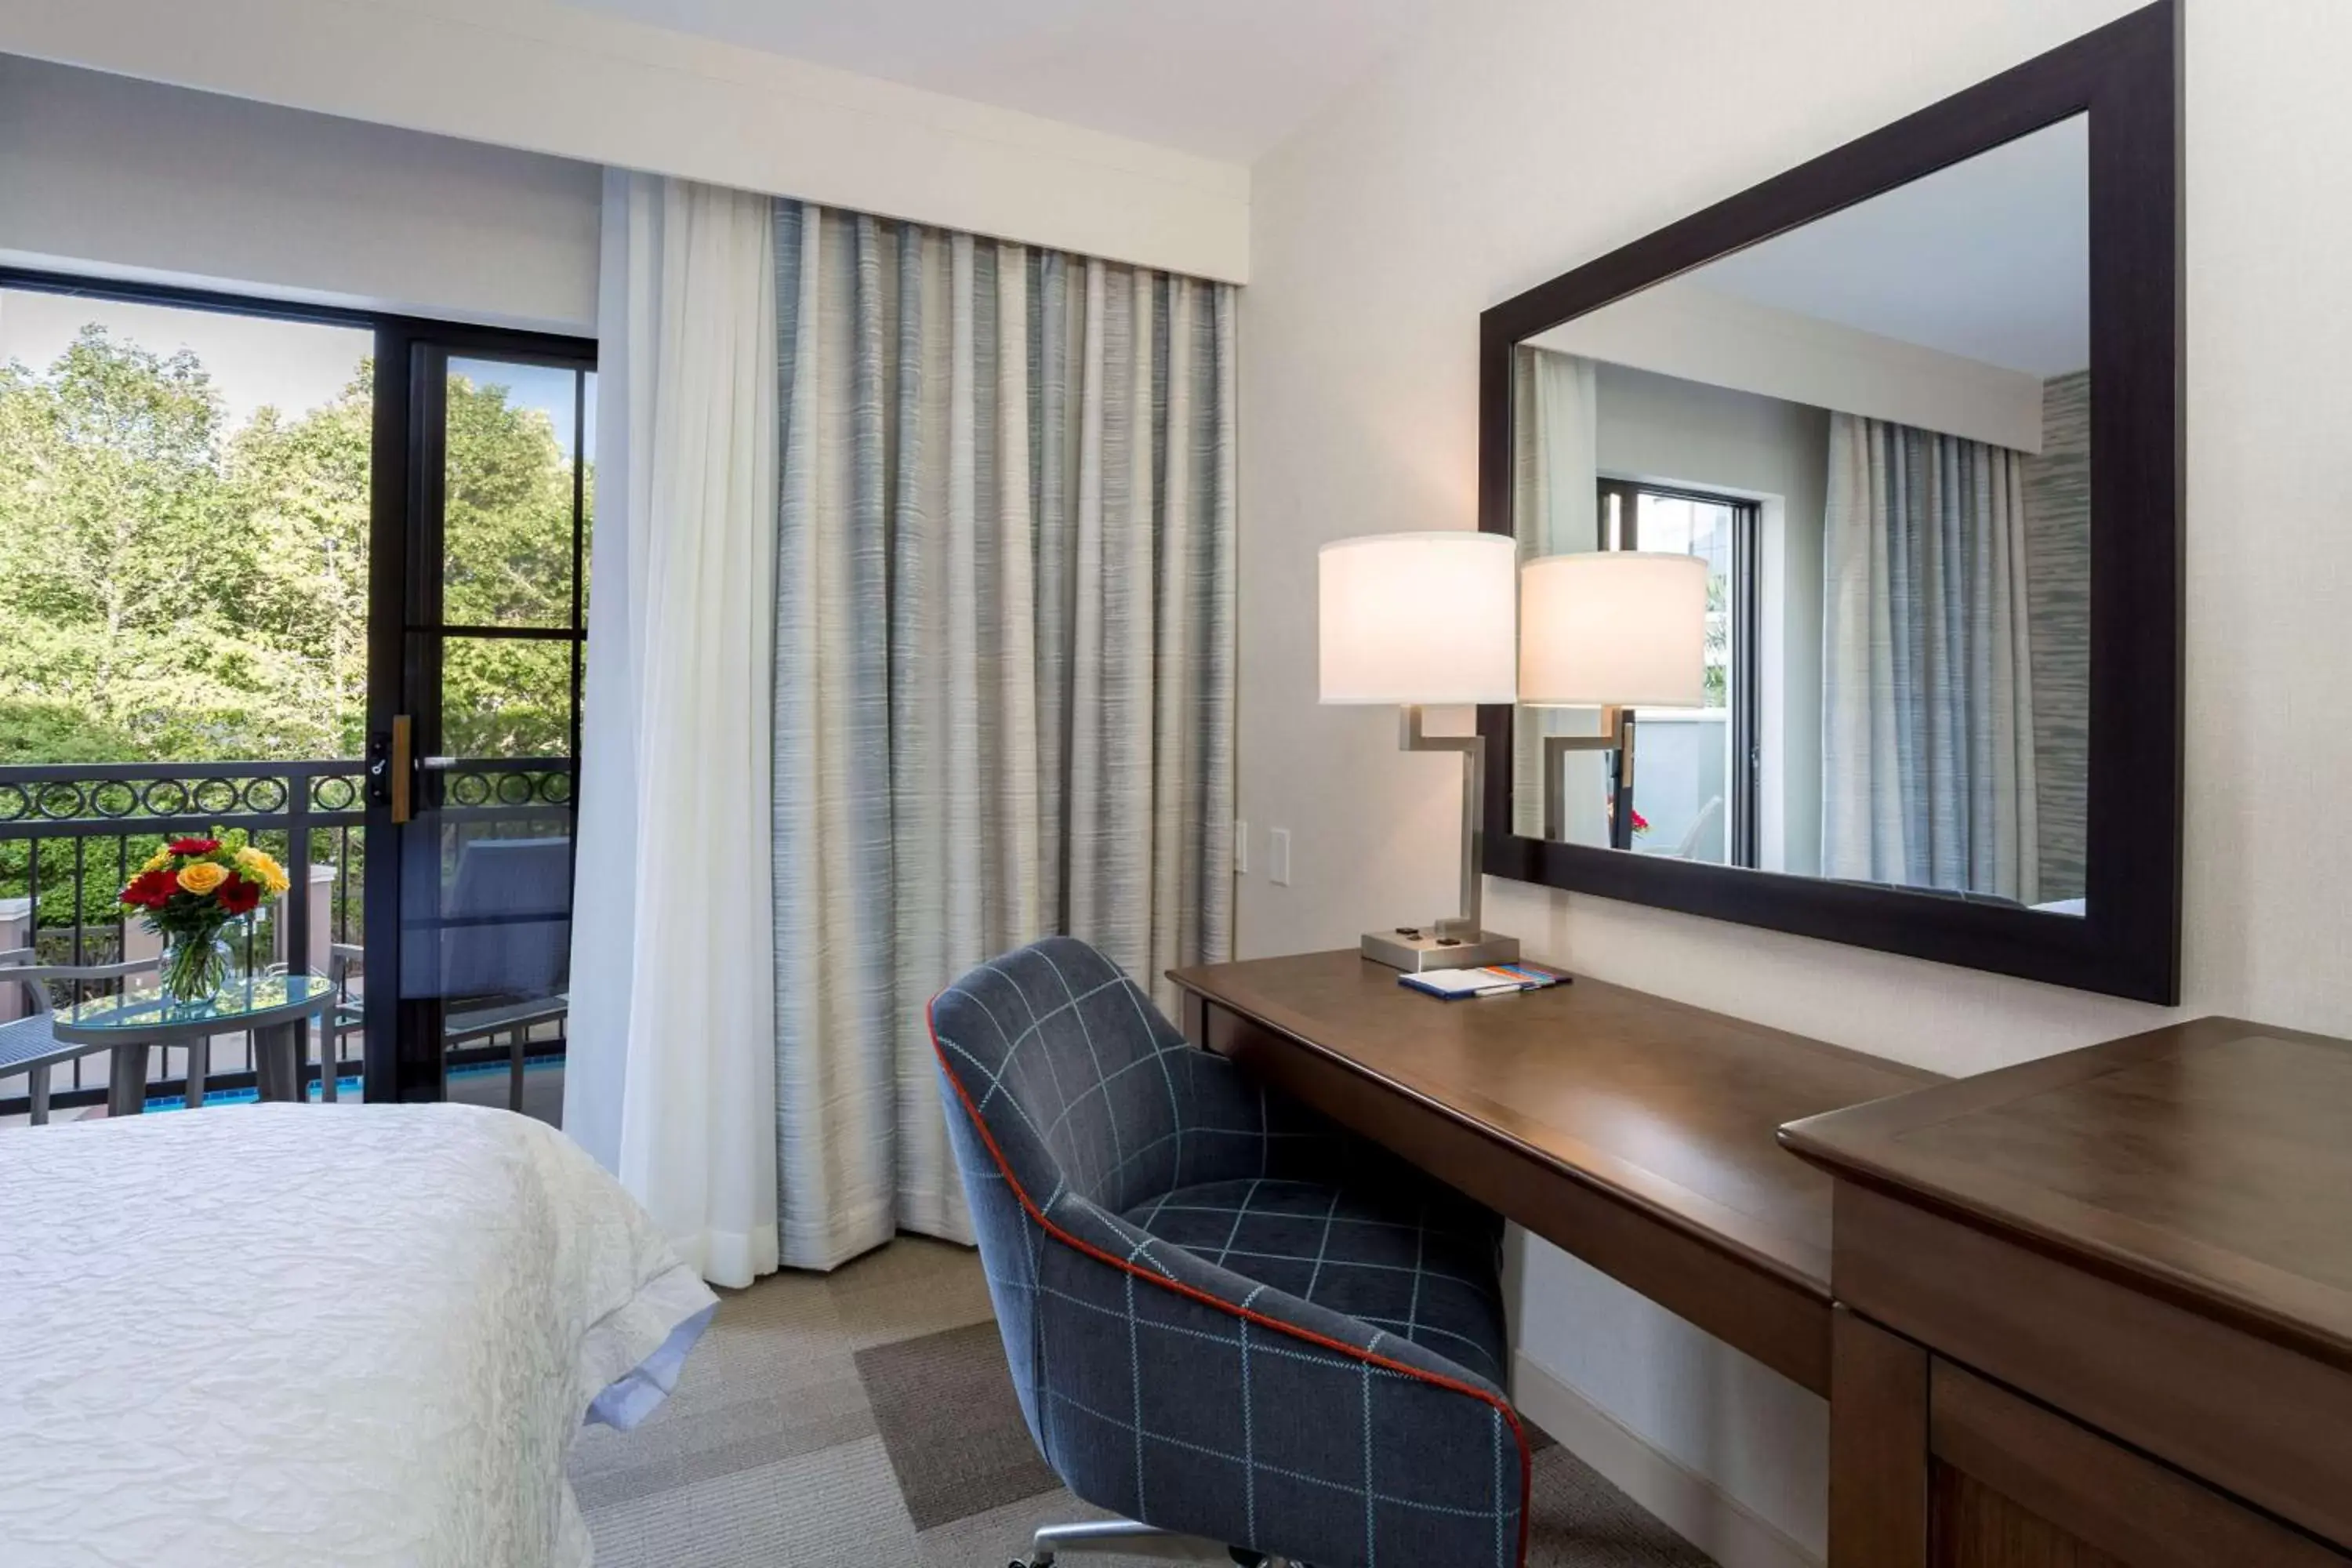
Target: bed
<point x="302" y="1334"/>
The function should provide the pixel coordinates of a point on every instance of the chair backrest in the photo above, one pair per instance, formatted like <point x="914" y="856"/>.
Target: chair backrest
<point x="15" y="958"/>
<point x="1060" y="1055"/>
<point x="522" y="890"/>
<point x="37" y="978"/>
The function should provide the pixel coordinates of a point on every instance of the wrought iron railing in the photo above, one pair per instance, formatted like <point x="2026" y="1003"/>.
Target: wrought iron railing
<point x="71" y="834"/>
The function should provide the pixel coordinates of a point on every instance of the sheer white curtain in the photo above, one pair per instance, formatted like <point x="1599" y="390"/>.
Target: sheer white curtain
<point x="1928" y="735"/>
<point x="1004" y="667"/>
<point x="672" y="1058"/>
<point x="1555" y="510"/>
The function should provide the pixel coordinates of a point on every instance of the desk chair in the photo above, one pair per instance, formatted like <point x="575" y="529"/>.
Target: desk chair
<point x="1225" y="1319"/>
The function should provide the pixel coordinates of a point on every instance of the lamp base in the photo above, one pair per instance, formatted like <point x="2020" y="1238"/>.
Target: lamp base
<point x="1415" y="948"/>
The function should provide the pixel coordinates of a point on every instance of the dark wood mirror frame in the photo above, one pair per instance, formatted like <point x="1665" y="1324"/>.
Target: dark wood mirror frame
<point x="2126" y="76"/>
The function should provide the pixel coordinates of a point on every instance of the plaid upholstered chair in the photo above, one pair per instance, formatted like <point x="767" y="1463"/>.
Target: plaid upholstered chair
<point x="1225" y="1319"/>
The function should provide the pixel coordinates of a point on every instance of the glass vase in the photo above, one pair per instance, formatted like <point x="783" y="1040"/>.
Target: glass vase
<point x="195" y="965"/>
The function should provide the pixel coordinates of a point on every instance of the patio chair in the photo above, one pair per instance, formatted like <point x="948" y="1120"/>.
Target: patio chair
<point x="513" y="1019"/>
<point x="348" y="1018"/>
<point x="509" y="976"/>
<point x="28" y="1044"/>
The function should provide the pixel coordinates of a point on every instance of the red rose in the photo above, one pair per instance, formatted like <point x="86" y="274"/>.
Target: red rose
<point x="150" y="890"/>
<point x="238" y="896"/>
<point x="193" y="845"/>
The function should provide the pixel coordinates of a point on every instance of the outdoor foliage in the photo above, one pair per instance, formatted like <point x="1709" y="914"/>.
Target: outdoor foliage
<point x="173" y="589"/>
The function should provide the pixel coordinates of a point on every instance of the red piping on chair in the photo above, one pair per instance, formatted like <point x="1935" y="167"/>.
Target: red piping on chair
<point x="1004" y="1168"/>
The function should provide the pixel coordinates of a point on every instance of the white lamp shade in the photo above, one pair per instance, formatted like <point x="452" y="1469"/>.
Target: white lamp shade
<point x="1418" y="618"/>
<point x="1613" y="627"/>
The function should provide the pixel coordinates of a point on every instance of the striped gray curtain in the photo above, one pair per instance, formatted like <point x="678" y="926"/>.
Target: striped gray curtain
<point x="1928" y="735"/>
<point x="1003" y="666"/>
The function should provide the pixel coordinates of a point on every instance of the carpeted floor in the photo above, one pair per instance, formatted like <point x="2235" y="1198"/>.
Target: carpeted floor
<point x="865" y="1418"/>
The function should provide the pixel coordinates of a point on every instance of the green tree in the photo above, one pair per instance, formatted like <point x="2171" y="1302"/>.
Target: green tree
<point x="172" y="591"/>
<point x="301" y="488"/>
<point x="506" y="562"/>
<point x="114" y="549"/>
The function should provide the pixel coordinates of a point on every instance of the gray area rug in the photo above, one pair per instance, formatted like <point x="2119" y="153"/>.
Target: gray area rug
<point x="952" y="1426"/>
<point x="867" y="1417"/>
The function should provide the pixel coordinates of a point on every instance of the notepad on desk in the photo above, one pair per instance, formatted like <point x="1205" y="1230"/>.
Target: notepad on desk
<point x="1495" y="980"/>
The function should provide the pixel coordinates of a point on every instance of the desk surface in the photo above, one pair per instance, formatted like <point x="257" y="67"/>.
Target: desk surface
<point x="1634" y="1132"/>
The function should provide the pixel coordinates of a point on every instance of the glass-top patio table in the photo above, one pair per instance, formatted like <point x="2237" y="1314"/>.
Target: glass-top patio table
<point x="271" y="1006"/>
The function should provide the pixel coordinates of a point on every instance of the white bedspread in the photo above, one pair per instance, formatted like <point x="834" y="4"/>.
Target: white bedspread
<point x="265" y="1336"/>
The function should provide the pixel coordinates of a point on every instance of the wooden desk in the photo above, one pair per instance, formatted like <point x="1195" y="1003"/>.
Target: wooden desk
<point x="1635" y="1132"/>
<point x="2150" y="1240"/>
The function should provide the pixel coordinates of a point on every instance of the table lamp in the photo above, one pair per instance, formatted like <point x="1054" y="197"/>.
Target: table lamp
<point x="1611" y="629"/>
<point x="1427" y="620"/>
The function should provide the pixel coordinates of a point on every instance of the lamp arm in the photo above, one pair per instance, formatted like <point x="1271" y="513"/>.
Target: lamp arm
<point x="1616" y="735"/>
<point x="1469" y="924"/>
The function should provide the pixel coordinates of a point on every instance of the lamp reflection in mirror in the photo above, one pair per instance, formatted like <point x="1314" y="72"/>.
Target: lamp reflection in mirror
<point x="1612" y="629"/>
<point x="1426" y="620"/>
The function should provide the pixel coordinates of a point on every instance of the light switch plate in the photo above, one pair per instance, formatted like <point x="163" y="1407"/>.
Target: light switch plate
<point x="1277" y="856"/>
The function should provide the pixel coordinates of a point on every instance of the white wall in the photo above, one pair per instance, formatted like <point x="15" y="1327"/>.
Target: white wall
<point x="548" y="78"/>
<point x="103" y="173"/>
<point x="1683" y="328"/>
<point x="1464" y="174"/>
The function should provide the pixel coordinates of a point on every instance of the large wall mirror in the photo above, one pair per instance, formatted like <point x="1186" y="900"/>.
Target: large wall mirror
<point x="1910" y="413"/>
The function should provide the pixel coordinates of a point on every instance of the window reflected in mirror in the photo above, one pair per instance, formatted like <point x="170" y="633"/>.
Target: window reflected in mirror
<point x="1875" y="430"/>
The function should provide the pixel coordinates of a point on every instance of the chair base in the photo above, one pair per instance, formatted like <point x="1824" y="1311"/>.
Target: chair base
<point x="1126" y="1538"/>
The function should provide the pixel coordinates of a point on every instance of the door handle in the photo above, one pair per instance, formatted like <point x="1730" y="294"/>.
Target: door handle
<point x="401" y="770"/>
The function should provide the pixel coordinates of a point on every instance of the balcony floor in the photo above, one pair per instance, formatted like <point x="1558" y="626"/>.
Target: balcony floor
<point x="542" y="1093"/>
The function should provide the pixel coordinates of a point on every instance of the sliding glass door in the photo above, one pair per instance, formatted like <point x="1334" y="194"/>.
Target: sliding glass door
<point x="317" y="577"/>
<point x="482" y="565"/>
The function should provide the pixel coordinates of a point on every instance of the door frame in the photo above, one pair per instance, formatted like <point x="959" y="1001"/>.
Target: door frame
<point x="402" y="1049"/>
<point x="398" y="472"/>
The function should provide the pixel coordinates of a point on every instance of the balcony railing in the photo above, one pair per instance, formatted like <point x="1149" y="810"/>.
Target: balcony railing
<point x="71" y="834"/>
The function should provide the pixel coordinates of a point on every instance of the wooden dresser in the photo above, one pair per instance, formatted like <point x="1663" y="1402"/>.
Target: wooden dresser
<point x="2097" y="1310"/>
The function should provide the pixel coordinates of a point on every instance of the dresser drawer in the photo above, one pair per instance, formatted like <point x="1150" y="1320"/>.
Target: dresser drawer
<point x="2013" y="1485"/>
<point x="1936" y="1465"/>
<point x="2241" y="1413"/>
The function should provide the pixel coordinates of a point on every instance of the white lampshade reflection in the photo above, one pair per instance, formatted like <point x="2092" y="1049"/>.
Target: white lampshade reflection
<point x="1615" y="627"/>
<point x="1423" y="618"/>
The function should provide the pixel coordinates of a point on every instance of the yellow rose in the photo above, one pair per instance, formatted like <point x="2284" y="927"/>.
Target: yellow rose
<point x="158" y="860"/>
<point x="203" y="876"/>
<point x="261" y="868"/>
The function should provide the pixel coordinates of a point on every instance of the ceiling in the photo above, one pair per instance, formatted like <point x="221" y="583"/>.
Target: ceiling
<point x="1990" y="258"/>
<point x="1223" y="78"/>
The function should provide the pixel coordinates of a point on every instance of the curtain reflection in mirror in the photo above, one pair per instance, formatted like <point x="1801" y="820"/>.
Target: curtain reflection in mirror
<point x="1927" y="762"/>
<point x="1555" y="472"/>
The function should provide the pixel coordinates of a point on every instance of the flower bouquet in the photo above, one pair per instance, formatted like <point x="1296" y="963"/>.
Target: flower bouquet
<point x="189" y="891"/>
